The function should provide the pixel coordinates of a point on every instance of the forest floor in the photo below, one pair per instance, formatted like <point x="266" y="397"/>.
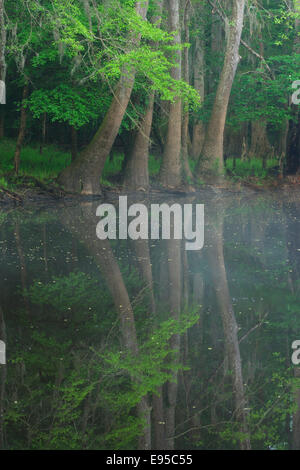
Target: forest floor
<point x="36" y="181"/>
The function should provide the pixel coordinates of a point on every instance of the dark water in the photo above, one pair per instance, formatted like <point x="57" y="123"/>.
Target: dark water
<point x="128" y="344"/>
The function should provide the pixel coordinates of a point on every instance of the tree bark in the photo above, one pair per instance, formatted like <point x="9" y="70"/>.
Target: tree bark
<point x="293" y="139"/>
<point x="136" y="170"/>
<point x="22" y="130"/>
<point x="2" y="42"/>
<point x="260" y="146"/>
<point x="211" y="164"/>
<point x="170" y="172"/>
<point x="2" y="61"/>
<point x="83" y="175"/>
<point x="44" y="122"/>
<point x="185" y="119"/>
<point x="198" y="71"/>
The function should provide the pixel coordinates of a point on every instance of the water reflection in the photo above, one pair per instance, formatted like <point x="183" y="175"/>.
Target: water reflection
<point x="141" y="344"/>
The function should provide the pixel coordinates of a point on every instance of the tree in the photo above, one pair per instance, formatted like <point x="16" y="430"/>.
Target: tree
<point x="84" y="173"/>
<point x="2" y="60"/>
<point x="211" y="162"/>
<point x="171" y="168"/>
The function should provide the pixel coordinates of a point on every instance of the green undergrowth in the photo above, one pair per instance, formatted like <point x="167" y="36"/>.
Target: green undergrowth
<point x="43" y="166"/>
<point x="253" y="168"/>
<point x="46" y="167"/>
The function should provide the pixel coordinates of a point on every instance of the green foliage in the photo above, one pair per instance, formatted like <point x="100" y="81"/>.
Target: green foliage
<point x="43" y="166"/>
<point x="64" y="103"/>
<point x="252" y="167"/>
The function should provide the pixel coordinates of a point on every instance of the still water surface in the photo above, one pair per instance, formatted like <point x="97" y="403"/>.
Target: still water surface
<point x="143" y="345"/>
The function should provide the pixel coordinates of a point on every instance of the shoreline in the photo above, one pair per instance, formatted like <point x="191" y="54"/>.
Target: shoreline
<point x="42" y="193"/>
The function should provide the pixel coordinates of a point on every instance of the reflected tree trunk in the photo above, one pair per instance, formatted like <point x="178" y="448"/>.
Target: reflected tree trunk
<point x="296" y="415"/>
<point x="2" y="380"/>
<point x="175" y="287"/>
<point x="142" y="252"/>
<point x="219" y="280"/>
<point x="22" y="129"/>
<point x="83" y="224"/>
<point x="23" y="269"/>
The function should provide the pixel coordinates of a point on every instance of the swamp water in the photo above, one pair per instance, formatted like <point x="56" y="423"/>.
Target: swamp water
<point x="122" y="344"/>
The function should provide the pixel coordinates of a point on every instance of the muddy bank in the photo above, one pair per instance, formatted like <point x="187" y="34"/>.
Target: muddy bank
<point x="37" y="193"/>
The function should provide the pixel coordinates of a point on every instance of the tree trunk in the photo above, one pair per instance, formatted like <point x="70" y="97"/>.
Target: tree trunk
<point x="170" y="172"/>
<point x="73" y="143"/>
<point x="198" y="71"/>
<point x="2" y="62"/>
<point x="211" y="164"/>
<point x="136" y="170"/>
<point x="293" y="146"/>
<point x="22" y="130"/>
<point x="83" y="175"/>
<point x="44" y="122"/>
<point x="2" y="42"/>
<point x="260" y="146"/>
<point x="185" y="120"/>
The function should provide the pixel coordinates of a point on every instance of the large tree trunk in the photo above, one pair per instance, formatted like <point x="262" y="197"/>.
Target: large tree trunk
<point x="22" y="130"/>
<point x="185" y="119"/>
<point x="136" y="170"/>
<point x="83" y="175"/>
<point x="44" y="128"/>
<point x="2" y="42"/>
<point x="293" y="146"/>
<point x="211" y="164"/>
<point x="260" y="146"/>
<point x="170" y="172"/>
<point x="2" y="62"/>
<point x="198" y="71"/>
